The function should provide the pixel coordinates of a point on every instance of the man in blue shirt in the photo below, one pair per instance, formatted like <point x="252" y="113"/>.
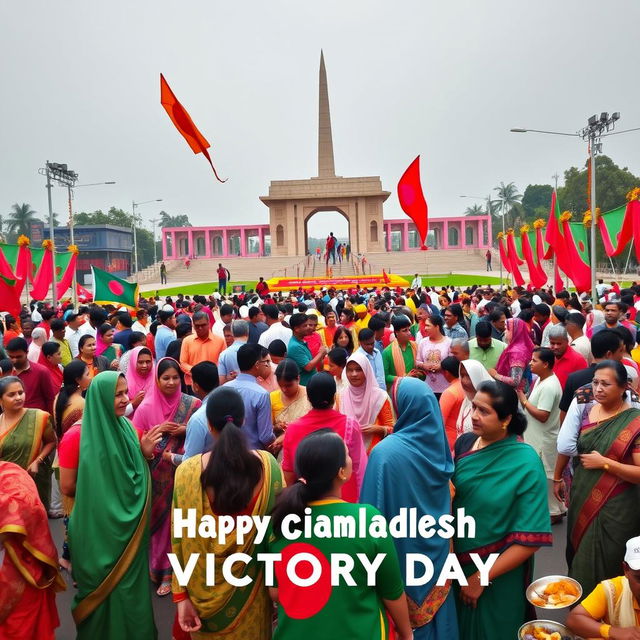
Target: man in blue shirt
<point x="367" y="347"/>
<point x="298" y="350"/>
<point x="254" y="361"/>
<point x="165" y="333"/>
<point x="199" y="439"/>
<point x="228" y="361"/>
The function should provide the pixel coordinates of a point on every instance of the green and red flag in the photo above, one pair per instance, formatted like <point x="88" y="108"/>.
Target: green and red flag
<point x="512" y="256"/>
<point x="575" y="243"/>
<point x="41" y="271"/>
<point x="15" y="262"/>
<point x="537" y="276"/>
<point x="65" y="268"/>
<point x="610" y="226"/>
<point x="630" y="228"/>
<point x="109" y="289"/>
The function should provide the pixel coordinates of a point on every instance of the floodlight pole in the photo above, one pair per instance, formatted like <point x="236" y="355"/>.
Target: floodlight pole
<point x="54" y="293"/>
<point x="592" y="162"/>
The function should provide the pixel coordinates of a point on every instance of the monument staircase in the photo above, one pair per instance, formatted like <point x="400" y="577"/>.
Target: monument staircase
<point x="250" y="269"/>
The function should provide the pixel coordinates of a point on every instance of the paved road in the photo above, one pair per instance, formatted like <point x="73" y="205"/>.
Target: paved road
<point x="548" y="561"/>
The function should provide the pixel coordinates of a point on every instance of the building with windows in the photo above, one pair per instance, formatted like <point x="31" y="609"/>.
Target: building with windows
<point x="104" y="246"/>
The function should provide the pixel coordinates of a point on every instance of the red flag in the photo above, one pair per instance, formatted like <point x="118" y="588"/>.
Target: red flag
<point x="385" y="277"/>
<point x="557" y="280"/>
<point x="512" y="256"/>
<point x="537" y="276"/>
<point x="183" y="123"/>
<point x="412" y="200"/>
<point x="83" y="294"/>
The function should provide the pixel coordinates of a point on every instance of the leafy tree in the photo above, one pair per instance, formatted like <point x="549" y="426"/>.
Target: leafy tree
<point x="612" y="185"/>
<point x="508" y="196"/>
<point x="536" y="197"/>
<point x="20" y="219"/>
<point x="474" y="210"/>
<point x="181" y="220"/>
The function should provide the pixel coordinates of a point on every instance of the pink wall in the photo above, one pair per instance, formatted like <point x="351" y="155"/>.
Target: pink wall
<point x="218" y="242"/>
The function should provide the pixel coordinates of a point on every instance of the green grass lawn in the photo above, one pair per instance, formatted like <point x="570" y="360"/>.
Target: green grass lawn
<point x="207" y="288"/>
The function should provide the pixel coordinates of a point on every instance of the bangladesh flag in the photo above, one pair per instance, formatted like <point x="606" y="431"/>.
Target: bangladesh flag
<point x="610" y="225"/>
<point x="109" y="289"/>
<point x="15" y="264"/>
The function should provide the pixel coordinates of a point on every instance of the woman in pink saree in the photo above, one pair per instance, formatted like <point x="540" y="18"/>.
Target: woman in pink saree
<point x="514" y="360"/>
<point x="164" y="404"/>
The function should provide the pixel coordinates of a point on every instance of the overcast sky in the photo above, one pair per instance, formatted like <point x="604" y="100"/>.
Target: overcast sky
<point x="80" y="85"/>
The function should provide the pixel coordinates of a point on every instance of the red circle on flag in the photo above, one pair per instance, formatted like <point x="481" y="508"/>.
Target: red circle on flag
<point x="407" y="194"/>
<point x="581" y="245"/>
<point x="58" y="270"/>
<point x="303" y="602"/>
<point x="115" y="287"/>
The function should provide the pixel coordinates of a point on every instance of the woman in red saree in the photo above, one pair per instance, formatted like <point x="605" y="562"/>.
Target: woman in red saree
<point x="51" y="359"/>
<point x="29" y="576"/>
<point x="164" y="404"/>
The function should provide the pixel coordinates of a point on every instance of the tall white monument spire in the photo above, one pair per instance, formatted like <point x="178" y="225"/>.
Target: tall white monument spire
<point x="326" y="167"/>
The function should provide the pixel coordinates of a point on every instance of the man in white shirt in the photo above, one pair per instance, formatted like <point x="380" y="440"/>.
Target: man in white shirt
<point x="276" y="330"/>
<point x="416" y="283"/>
<point x="73" y="332"/>
<point x="226" y="316"/>
<point x="142" y="322"/>
<point x="97" y="316"/>
<point x="574" y="325"/>
<point x="542" y="409"/>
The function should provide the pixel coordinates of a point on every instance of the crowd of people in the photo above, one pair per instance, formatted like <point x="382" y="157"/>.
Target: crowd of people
<point x="518" y="406"/>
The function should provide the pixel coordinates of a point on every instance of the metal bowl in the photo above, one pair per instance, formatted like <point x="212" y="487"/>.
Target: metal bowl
<point x="548" y="625"/>
<point x="539" y="585"/>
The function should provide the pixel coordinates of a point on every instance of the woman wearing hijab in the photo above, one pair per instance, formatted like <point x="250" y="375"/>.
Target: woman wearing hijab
<point x="417" y="446"/>
<point x="594" y="318"/>
<point x="361" y="398"/>
<point x="472" y="374"/>
<point x="514" y="360"/>
<point x="109" y="525"/>
<point x="139" y="375"/>
<point x="106" y="347"/>
<point x="164" y="405"/>
<point x="29" y="576"/>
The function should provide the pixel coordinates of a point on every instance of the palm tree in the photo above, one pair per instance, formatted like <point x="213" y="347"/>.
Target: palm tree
<point x="508" y="197"/>
<point x="475" y="210"/>
<point x="20" y="219"/>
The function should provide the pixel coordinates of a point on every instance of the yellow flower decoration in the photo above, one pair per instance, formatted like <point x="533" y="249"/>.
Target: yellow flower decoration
<point x="73" y="248"/>
<point x="586" y="219"/>
<point x="47" y="244"/>
<point x="565" y="216"/>
<point x="524" y="229"/>
<point x="634" y="194"/>
<point x="500" y="235"/>
<point x="510" y="231"/>
<point x="539" y="224"/>
<point x="23" y="241"/>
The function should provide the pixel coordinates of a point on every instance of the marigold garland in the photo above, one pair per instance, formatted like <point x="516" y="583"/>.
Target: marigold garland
<point x="586" y="218"/>
<point x="23" y="241"/>
<point x="510" y="231"/>
<point x="634" y="194"/>
<point x="524" y="229"/>
<point x="539" y="223"/>
<point x="500" y="235"/>
<point x="47" y="244"/>
<point x="73" y="248"/>
<point x="565" y="216"/>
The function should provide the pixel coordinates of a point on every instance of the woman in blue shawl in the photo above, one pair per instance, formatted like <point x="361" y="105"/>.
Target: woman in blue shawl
<point x="418" y="452"/>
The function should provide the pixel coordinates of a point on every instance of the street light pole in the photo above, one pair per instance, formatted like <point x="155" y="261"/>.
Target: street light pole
<point x="597" y="127"/>
<point x="54" y="296"/>
<point x="74" y="284"/>
<point x="155" y="253"/>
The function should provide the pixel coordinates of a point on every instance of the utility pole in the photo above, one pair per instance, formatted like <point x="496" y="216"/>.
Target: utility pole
<point x="54" y="293"/>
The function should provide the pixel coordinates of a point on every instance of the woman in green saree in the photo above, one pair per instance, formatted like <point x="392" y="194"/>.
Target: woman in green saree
<point x="603" y="509"/>
<point x="109" y="525"/>
<point x="27" y="437"/>
<point x="230" y="480"/>
<point x="500" y="482"/>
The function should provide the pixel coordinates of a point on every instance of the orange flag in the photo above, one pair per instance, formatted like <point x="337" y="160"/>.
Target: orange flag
<point x="183" y="123"/>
